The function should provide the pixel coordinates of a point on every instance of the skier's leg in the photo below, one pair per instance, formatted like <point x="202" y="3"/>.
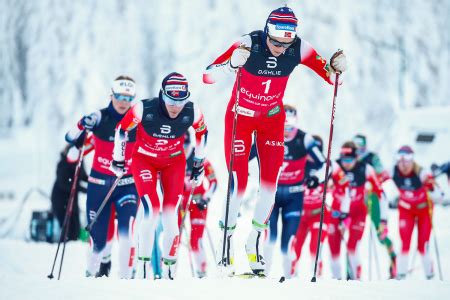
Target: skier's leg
<point x="334" y="242"/>
<point x="314" y="229"/>
<point x="356" y="231"/>
<point x="98" y="233"/>
<point x="291" y="214"/>
<point x="270" y="147"/>
<point x="126" y="207"/>
<point x="242" y="146"/>
<point x="300" y="235"/>
<point x="238" y="184"/>
<point x="172" y="181"/>
<point x="423" y="241"/>
<point x="105" y="266"/>
<point x="198" y="222"/>
<point x="406" y="227"/>
<point x="145" y="177"/>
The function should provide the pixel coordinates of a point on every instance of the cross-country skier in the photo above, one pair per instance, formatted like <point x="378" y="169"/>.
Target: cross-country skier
<point x="198" y="209"/>
<point x="161" y="125"/>
<point x="371" y="158"/>
<point x="414" y="207"/>
<point x="348" y="208"/>
<point x="298" y="147"/>
<point x="263" y="61"/>
<point x="102" y="124"/>
<point x="312" y="204"/>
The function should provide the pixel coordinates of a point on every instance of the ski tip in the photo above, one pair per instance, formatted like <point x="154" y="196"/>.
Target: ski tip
<point x="282" y="279"/>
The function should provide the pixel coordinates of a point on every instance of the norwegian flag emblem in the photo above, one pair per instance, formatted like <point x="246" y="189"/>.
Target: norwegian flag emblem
<point x="287" y="34"/>
<point x="175" y="93"/>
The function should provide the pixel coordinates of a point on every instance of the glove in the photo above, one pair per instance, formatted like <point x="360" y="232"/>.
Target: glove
<point x="343" y="216"/>
<point x="202" y="204"/>
<point x="88" y="122"/>
<point x="312" y="182"/>
<point x="198" y="171"/>
<point x="382" y="230"/>
<point x="435" y="170"/>
<point x="117" y="167"/>
<point x="338" y="62"/>
<point x="239" y="57"/>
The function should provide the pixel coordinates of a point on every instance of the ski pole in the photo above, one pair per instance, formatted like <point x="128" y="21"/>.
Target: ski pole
<point x="230" y="167"/>
<point x="436" y="248"/>
<point x="102" y="205"/>
<point x="330" y="140"/>
<point x="68" y="215"/>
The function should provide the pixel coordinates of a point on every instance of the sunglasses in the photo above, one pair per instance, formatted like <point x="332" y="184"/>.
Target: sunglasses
<point x="280" y="44"/>
<point x="170" y="101"/>
<point x="347" y="159"/>
<point x="405" y="156"/>
<point x="120" y="97"/>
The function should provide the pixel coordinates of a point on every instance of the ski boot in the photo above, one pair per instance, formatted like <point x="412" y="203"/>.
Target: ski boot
<point x="105" y="268"/>
<point x="254" y="248"/>
<point x="226" y="262"/>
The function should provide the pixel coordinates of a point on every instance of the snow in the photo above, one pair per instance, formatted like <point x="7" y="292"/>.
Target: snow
<point x="25" y="266"/>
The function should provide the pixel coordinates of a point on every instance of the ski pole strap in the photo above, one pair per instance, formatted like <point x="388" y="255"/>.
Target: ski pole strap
<point x="259" y="225"/>
<point x="222" y="226"/>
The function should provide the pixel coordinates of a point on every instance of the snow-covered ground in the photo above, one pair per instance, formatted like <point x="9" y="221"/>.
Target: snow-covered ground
<point x="24" y="267"/>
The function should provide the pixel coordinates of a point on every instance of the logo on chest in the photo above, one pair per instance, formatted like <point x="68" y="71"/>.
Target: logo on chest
<point x="271" y="63"/>
<point x="165" y="132"/>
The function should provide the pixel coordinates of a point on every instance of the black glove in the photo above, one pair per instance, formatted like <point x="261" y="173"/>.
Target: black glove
<point x="312" y="182"/>
<point x="202" y="204"/>
<point x="343" y="216"/>
<point x="197" y="170"/>
<point x="435" y="169"/>
<point x="88" y="122"/>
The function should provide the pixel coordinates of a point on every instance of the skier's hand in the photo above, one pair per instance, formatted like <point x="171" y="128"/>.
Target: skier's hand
<point x="88" y="122"/>
<point x="201" y="203"/>
<point x="312" y="182"/>
<point x="338" y="62"/>
<point x="435" y="170"/>
<point x="239" y="57"/>
<point x="382" y="230"/>
<point x="198" y="171"/>
<point x="117" y="167"/>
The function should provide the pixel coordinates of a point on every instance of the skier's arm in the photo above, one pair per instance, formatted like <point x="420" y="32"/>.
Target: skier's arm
<point x="89" y="122"/>
<point x="314" y="152"/>
<point x="310" y="58"/>
<point x="201" y="133"/>
<point x="222" y="65"/>
<point x="132" y="118"/>
<point x="211" y="176"/>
